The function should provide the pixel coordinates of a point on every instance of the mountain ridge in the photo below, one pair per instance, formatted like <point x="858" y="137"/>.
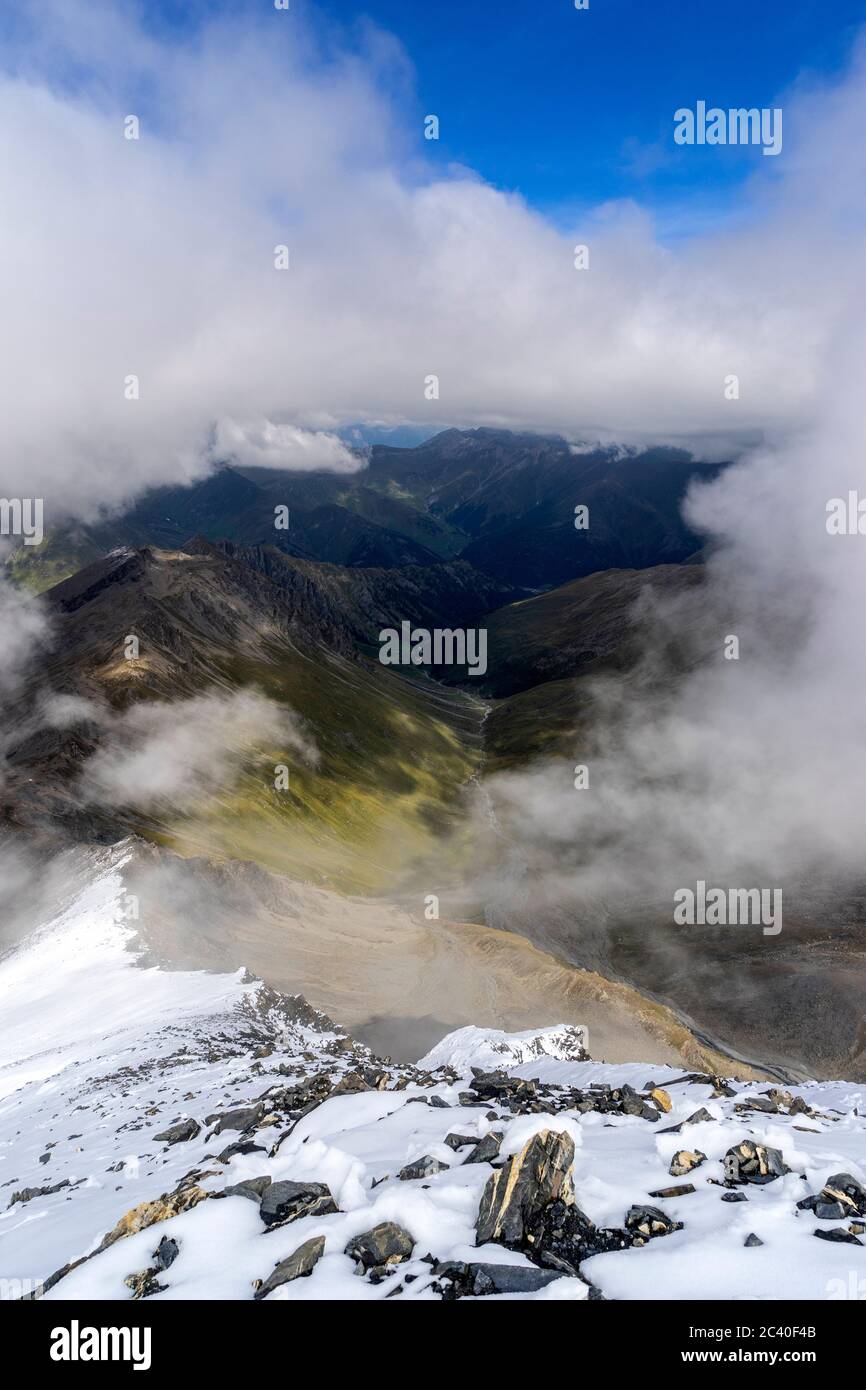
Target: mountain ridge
<point x="504" y="502"/>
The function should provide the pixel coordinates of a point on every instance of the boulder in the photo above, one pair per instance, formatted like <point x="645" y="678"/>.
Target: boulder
<point x="645" y="1223"/>
<point x="460" y="1280"/>
<point x="150" y="1213"/>
<point x="166" y="1253"/>
<point x="144" y="1284"/>
<point x="487" y="1148"/>
<point x="26" y="1194"/>
<point x="841" y="1196"/>
<point x="699" y="1117"/>
<point x="519" y="1191"/>
<point x="561" y="1236"/>
<point x="684" y="1161"/>
<point x="661" y="1098"/>
<point x="749" y="1162"/>
<point x="297" y="1266"/>
<point x="385" y="1245"/>
<point x="283" y="1202"/>
<point x="252" y="1188"/>
<point x="421" y="1168"/>
<point x="762" y="1103"/>
<point x="245" y="1117"/>
<point x="243" y="1146"/>
<point x="498" y="1085"/>
<point x="181" y="1133"/>
<point x="458" y="1141"/>
<point x="636" y="1105"/>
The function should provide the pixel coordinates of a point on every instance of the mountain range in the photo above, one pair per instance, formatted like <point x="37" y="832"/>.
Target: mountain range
<point x="255" y="650"/>
<point x="503" y="503"/>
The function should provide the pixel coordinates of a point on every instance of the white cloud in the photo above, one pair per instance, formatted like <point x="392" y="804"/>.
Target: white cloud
<point x="741" y="772"/>
<point x="176" y="752"/>
<point x="155" y="258"/>
<point x="264" y="444"/>
<point x="24" y="631"/>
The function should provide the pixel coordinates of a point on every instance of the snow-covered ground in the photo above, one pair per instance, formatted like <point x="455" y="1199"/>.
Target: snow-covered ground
<point x="98" y="1055"/>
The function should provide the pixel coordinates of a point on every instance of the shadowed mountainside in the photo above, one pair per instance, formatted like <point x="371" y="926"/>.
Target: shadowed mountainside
<point x="503" y="502"/>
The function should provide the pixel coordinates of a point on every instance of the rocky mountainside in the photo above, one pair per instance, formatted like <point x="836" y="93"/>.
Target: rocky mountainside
<point x="503" y="502"/>
<point x="514" y="497"/>
<point x="377" y="760"/>
<point x="188" y="1135"/>
<point x="252" y="660"/>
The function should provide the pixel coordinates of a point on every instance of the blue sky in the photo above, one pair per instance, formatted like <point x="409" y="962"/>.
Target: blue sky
<point x="306" y="129"/>
<point x="572" y="108"/>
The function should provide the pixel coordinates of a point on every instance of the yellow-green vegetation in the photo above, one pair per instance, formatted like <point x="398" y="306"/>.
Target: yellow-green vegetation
<point x="547" y="721"/>
<point x="382" y="805"/>
<point x="39" y="567"/>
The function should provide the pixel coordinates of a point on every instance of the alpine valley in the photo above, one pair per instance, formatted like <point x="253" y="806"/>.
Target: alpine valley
<point x="272" y="910"/>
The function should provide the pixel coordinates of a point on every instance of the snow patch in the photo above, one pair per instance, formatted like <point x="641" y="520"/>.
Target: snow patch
<point x="492" y="1048"/>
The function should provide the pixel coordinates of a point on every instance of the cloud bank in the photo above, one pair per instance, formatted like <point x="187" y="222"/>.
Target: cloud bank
<point x="156" y="258"/>
<point x="173" y="754"/>
<point x="747" y="772"/>
<point x="263" y="444"/>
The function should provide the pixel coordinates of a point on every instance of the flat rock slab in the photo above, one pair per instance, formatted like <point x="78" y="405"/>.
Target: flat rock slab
<point x="297" y="1266"/>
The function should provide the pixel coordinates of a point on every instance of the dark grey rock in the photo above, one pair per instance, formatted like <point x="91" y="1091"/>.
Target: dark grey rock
<point x="524" y="1186"/>
<point x="386" y="1244"/>
<point x="242" y="1147"/>
<point x="636" y="1105"/>
<point x="749" y="1162"/>
<point x="26" y="1194"/>
<point x="699" y="1117"/>
<point x="252" y="1188"/>
<point x="458" y="1141"/>
<point x="478" y="1280"/>
<point x="288" y="1201"/>
<point x="244" y="1118"/>
<point x="181" y="1133"/>
<point x="421" y="1168"/>
<point x="487" y="1148"/>
<point x="166" y="1253"/>
<point x="298" y="1266"/>
<point x="830" y="1211"/>
<point x="646" y="1222"/>
<point x="498" y="1085"/>
<point x="762" y="1103"/>
<point x="842" y="1195"/>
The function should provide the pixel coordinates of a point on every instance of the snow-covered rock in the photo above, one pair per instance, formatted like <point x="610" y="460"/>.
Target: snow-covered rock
<point x="490" y="1047"/>
<point x="180" y="1135"/>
